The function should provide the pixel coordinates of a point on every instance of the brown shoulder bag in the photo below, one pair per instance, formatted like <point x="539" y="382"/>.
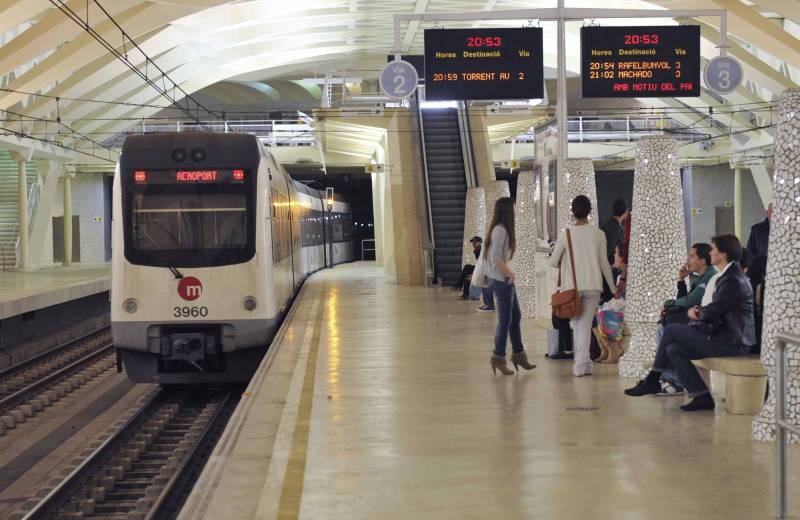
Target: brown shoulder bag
<point x="567" y="304"/>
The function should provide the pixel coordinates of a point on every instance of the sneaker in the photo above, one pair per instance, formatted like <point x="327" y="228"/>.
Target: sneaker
<point x="700" y="402"/>
<point x="670" y="389"/>
<point x="643" y="388"/>
<point x="560" y="355"/>
<point x="485" y="309"/>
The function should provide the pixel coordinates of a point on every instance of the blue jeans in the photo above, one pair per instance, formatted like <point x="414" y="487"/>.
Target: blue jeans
<point x="488" y="295"/>
<point x="509" y="317"/>
<point x="680" y="344"/>
<point x="668" y="376"/>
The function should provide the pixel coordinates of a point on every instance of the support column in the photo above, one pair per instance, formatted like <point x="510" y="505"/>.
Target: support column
<point x="524" y="261"/>
<point x="40" y="239"/>
<point x="657" y="249"/>
<point x="577" y="179"/>
<point x="781" y="304"/>
<point x="481" y="147"/>
<point x="67" y="219"/>
<point x="474" y="222"/>
<point x="23" y="261"/>
<point x="738" y="204"/>
<point x="494" y="190"/>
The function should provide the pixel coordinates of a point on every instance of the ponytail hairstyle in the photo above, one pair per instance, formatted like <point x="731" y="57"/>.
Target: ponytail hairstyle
<point x="503" y="216"/>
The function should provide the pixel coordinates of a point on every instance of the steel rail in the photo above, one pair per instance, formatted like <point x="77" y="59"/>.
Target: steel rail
<point x="15" y="369"/>
<point x="24" y="394"/>
<point x="156" y="511"/>
<point x="42" y="510"/>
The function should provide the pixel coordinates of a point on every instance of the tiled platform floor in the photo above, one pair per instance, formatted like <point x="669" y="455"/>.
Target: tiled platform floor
<point x="21" y="292"/>
<point x="404" y="420"/>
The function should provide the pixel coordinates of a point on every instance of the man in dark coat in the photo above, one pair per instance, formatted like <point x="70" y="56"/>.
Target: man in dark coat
<point x="615" y="232"/>
<point x="759" y="235"/>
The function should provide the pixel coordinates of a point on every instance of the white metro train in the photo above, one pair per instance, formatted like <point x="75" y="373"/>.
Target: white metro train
<point x="212" y="240"/>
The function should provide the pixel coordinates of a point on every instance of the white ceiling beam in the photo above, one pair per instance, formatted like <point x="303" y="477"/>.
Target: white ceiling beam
<point x="411" y="31"/>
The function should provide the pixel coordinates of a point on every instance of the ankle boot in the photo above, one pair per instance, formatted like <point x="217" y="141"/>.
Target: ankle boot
<point x="521" y="359"/>
<point x="499" y="363"/>
<point x="614" y="352"/>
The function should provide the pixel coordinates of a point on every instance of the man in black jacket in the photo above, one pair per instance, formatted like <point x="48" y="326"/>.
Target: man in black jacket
<point x="615" y="233"/>
<point x="759" y="235"/>
<point x="721" y="326"/>
<point x="464" y="280"/>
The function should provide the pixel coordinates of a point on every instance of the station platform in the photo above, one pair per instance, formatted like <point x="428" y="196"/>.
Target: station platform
<point x="377" y="400"/>
<point x="22" y="292"/>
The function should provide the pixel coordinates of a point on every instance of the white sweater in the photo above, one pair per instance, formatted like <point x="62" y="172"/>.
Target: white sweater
<point x="591" y="262"/>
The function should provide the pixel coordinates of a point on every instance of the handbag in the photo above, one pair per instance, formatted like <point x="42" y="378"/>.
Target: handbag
<point x="567" y="304"/>
<point x="479" y="278"/>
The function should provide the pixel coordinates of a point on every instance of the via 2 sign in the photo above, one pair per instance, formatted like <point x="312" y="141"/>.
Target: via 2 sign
<point x="190" y="288"/>
<point x="398" y="79"/>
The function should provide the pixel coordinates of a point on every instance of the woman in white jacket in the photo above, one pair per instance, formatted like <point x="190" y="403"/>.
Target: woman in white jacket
<point x="591" y="267"/>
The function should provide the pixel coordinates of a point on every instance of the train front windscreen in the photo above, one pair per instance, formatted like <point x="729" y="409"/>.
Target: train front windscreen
<point x="189" y="218"/>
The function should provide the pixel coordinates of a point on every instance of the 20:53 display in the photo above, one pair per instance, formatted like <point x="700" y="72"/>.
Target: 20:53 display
<point x="484" y="41"/>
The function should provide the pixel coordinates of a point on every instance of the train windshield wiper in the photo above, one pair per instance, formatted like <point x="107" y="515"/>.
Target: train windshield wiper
<point x="174" y="270"/>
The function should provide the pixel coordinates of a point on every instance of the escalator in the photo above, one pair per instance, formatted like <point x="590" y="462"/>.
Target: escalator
<point x="447" y="188"/>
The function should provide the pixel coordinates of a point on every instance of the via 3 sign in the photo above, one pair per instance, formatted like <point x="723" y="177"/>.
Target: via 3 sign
<point x="398" y="79"/>
<point x="723" y="74"/>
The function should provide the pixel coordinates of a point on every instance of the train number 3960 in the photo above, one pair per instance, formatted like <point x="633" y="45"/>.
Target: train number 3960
<point x="190" y="312"/>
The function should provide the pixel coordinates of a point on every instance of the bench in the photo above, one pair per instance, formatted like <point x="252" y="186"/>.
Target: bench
<point x="745" y="381"/>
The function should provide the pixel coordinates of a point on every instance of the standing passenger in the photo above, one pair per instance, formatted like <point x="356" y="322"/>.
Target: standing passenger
<point x="759" y="235"/>
<point x="591" y="266"/>
<point x="500" y="245"/>
<point x="614" y="229"/>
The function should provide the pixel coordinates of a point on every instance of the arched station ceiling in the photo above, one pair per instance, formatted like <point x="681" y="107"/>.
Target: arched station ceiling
<point x="199" y="43"/>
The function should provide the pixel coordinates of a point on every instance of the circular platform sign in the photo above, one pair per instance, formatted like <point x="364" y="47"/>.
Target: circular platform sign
<point x="723" y="74"/>
<point x="398" y="79"/>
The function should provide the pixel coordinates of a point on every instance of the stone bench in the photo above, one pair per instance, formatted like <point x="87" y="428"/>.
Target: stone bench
<point x="745" y="381"/>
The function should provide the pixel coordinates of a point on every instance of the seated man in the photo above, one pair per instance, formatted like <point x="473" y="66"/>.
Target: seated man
<point x="463" y="283"/>
<point x="693" y="277"/>
<point x="721" y="326"/>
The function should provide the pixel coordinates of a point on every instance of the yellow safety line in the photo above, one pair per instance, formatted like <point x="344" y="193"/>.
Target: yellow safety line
<point x="292" y="489"/>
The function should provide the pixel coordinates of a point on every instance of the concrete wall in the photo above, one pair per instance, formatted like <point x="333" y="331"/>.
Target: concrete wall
<point x="87" y="203"/>
<point x="713" y="187"/>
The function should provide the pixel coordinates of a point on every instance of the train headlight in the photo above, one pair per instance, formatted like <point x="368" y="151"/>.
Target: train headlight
<point x="250" y="303"/>
<point x="130" y="305"/>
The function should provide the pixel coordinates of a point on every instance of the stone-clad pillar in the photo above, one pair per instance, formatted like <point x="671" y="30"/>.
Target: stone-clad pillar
<point x="781" y="300"/>
<point x="474" y="222"/>
<point x="524" y="261"/>
<point x="657" y="248"/>
<point x="578" y="180"/>
<point x="494" y="190"/>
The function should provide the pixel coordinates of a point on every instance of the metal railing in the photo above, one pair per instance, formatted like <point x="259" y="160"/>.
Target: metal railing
<point x="582" y="129"/>
<point x="364" y="249"/>
<point x="272" y="132"/>
<point x="782" y="426"/>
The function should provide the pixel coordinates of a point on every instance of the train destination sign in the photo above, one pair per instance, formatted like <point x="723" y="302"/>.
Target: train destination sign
<point x="648" y="61"/>
<point x="465" y="64"/>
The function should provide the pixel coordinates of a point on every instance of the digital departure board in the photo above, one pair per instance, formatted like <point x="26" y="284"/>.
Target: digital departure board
<point x="651" y="61"/>
<point x="463" y="64"/>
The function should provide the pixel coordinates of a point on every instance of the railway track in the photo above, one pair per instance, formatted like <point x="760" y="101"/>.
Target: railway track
<point x="141" y="471"/>
<point x="27" y="388"/>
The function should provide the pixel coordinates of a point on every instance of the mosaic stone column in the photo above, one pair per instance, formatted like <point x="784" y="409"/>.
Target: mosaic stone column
<point x="524" y="262"/>
<point x="658" y="246"/>
<point x="474" y="222"/>
<point x="781" y="300"/>
<point x="578" y="180"/>
<point x="494" y="190"/>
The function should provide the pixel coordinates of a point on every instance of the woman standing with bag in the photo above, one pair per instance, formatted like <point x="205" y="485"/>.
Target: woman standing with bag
<point x="499" y="249"/>
<point x="580" y="256"/>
